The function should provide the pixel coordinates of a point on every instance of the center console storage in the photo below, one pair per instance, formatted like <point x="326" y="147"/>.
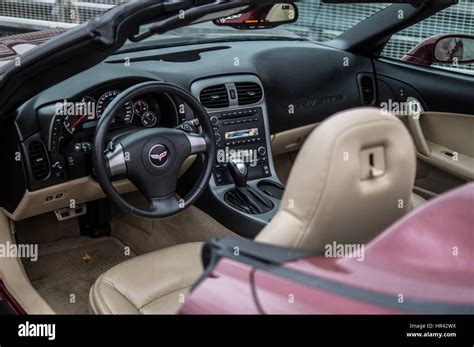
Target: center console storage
<point x="271" y="188"/>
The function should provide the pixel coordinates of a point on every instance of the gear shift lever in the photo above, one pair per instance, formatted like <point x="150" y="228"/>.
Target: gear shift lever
<point x="238" y="170"/>
<point x="244" y="197"/>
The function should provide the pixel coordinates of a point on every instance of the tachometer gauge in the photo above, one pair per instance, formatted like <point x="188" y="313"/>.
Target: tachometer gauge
<point x="127" y="112"/>
<point x="81" y="112"/>
<point x="72" y="122"/>
<point x="140" y="107"/>
<point x="149" y="119"/>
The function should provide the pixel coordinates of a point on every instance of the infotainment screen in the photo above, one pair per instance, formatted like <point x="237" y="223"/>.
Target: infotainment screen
<point x="238" y="134"/>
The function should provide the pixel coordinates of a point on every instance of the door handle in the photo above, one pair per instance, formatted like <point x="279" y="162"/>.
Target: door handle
<point x="416" y="111"/>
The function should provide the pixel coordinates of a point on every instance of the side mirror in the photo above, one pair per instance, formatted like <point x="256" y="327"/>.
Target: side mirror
<point x="454" y="50"/>
<point x="443" y="49"/>
<point x="261" y="17"/>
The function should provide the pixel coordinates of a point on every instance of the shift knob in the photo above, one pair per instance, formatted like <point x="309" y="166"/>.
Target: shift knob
<point x="238" y="170"/>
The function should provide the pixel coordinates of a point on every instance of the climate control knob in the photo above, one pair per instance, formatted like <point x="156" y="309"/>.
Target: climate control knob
<point x="262" y="150"/>
<point x="214" y="120"/>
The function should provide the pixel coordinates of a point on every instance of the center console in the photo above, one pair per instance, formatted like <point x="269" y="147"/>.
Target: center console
<point x="238" y="114"/>
<point x="240" y="132"/>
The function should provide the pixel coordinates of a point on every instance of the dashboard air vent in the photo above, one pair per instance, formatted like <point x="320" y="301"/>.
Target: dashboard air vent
<point x="215" y="97"/>
<point x="248" y="93"/>
<point x="38" y="160"/>
<point x="367" y="90"/>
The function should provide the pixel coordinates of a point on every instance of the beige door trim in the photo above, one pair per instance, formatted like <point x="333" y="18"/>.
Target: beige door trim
<point x="445" y="140"/>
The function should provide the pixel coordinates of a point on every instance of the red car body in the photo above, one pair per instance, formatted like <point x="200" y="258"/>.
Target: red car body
<point x="415" y="266"/>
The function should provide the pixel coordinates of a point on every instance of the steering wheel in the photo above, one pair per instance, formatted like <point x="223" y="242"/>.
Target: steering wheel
<point x="152" y="158"/>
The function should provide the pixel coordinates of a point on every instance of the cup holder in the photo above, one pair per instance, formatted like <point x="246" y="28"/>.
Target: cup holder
<point x="271" y="188"/>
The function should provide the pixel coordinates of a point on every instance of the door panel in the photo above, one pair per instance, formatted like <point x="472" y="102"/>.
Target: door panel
<point x="444" y="132"/>
<point x="445" y="141"/>
<point x="431" y="181"/>
<point x="455" y="131"/>
<point x="440" y="90"/>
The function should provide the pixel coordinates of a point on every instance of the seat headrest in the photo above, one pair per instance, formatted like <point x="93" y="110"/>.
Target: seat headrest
<point x="352" y="178"/>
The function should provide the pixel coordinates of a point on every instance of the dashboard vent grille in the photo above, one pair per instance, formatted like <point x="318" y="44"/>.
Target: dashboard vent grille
<point x="248" y="93"/>
<point x="38" y="160"/>
<point x="367" y="90"/>
<point x="215" y="97"/>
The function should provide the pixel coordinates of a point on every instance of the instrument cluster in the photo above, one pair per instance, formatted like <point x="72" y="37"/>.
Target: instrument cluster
<point x="150" y="110"/>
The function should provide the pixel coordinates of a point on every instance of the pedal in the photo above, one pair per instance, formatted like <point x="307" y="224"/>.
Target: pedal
<point x="67" y="213"/>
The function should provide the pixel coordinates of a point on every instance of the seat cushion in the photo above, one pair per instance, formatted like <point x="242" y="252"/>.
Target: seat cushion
<point x="416" y="200"/>
<point x="155" y="283"/>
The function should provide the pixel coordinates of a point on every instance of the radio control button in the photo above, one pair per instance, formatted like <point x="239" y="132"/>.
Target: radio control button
<point x="217" y="137"/>
<point x="214" y="120"/>
<point x="262" y="150"/>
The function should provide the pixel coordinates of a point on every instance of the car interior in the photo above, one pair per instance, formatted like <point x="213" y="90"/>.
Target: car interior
<point x="282" y="141"/>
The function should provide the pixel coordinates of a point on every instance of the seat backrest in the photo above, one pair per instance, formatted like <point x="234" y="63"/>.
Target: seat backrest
<point x="352" y="178"/>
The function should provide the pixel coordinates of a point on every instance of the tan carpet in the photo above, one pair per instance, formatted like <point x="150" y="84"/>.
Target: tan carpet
<point x="68" y="268"/>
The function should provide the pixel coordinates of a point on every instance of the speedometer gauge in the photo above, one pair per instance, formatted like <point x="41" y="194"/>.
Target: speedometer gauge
<point x="126" y="112"/>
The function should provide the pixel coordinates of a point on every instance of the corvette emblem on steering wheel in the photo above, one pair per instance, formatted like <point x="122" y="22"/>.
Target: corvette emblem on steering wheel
<point x="159" y="155"/>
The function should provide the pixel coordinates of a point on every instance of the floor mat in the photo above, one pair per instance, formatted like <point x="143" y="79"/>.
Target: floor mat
<point x="66" y="269"/>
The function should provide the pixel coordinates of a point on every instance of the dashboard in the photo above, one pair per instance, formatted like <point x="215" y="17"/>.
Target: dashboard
<point x="54" y="145"/>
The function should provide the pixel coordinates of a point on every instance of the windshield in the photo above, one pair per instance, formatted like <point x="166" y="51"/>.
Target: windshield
<point x="317" y="21"/>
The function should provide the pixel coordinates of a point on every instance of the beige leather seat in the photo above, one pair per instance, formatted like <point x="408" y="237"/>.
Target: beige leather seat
<point x="155" y="282"/>
<point x="352" y="179"/>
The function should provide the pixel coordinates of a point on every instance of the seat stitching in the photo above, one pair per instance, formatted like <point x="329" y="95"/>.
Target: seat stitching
<point x="100" y="297"/>
<point x="154" y="299"/>
<point x="109" y="283"/>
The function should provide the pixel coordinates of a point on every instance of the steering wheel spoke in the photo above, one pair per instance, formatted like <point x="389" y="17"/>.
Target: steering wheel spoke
<point x="197" y="143"/>
<point x="115" y="159"/>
